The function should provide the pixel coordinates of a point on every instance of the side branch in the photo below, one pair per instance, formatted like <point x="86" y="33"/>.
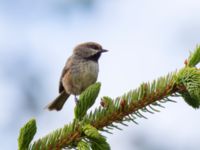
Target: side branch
<point x="125" y="110"/>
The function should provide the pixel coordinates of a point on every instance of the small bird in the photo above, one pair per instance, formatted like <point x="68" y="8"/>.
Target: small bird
<point x="80" y="71"/>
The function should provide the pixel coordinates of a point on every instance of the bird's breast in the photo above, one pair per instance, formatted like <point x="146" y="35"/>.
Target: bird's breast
<point x="89" y="72"/>
<point x="83" y="75"/>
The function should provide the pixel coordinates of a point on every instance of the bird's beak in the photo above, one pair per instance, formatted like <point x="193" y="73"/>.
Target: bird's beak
<point x="104" y="50"/>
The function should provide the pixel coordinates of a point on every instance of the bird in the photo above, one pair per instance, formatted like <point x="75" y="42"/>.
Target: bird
<point x="80" y="71"/>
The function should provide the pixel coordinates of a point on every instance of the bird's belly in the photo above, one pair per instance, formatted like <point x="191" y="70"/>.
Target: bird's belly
<point x="85" y="75"/>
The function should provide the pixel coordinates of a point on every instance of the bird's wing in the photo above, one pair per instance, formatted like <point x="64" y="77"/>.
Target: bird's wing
<point x="64" y="71"/>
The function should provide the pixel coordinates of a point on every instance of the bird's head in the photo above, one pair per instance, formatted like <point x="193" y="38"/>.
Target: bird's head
<point x="89" y="50"/>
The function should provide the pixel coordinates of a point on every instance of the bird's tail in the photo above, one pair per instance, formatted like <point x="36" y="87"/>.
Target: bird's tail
<point x="58" y="103"/>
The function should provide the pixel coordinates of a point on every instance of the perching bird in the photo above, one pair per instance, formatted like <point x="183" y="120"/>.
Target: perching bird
<point x="80" y="71"/>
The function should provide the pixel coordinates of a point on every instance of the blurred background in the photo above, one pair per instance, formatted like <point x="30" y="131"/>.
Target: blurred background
<point x="146" y="39"/>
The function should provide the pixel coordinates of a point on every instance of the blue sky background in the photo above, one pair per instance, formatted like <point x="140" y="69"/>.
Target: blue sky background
<point x="146" y="39"/>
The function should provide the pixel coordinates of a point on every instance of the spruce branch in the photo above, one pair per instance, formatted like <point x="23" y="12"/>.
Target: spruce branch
<point x="83" y="133"/>
<point x="194" y="57"/>
<point x="86" y="100"/>
<point x="26" y="135"/>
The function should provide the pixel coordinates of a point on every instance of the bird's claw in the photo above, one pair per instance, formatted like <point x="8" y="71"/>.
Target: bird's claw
<point x="76" y="100"/>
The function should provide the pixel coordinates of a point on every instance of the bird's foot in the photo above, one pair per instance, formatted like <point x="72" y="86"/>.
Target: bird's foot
<point x="76" y="100"/>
